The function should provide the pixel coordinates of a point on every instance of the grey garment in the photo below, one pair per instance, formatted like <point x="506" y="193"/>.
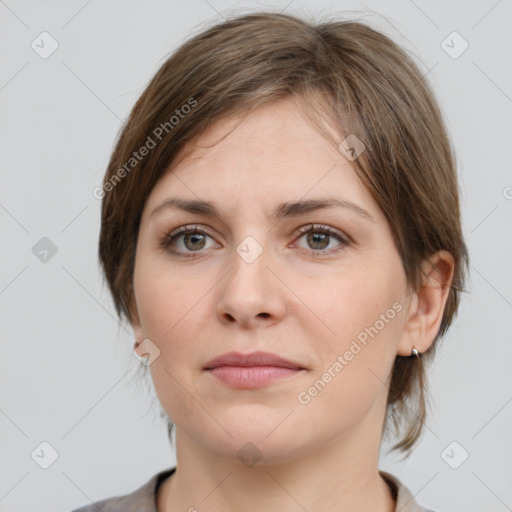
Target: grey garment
<point x="144" y="498"/>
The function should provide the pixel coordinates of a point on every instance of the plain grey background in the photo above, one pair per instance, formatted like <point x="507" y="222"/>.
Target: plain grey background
<point x="67" y="373"/>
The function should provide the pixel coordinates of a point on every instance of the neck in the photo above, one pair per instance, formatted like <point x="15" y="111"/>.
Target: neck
<point x="340" y="476"/>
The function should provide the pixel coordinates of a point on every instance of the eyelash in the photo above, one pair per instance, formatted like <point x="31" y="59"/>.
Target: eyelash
<point x="169" y="238"/>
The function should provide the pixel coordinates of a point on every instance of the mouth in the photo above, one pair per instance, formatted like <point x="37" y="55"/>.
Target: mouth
<point x="248" y="371"/>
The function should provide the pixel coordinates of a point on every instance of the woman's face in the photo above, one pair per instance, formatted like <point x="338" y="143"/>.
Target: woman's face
<point x="323" y="288"/>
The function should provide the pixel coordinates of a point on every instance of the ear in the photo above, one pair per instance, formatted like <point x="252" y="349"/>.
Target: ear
<point x="427" y="305"/>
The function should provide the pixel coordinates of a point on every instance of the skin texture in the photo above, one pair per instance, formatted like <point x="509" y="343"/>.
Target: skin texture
<point x="303" y="300"/>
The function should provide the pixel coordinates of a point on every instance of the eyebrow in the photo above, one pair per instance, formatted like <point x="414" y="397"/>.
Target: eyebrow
<point x="288" y="209"/>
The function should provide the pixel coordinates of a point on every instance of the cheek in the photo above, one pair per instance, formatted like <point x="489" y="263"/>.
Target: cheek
<point x="360" y="321"/>
<point x="162" y="298"/>
<point x="172" y="317"/>
<point x="354" y="364"/>
<point x="176" y="315"/>
<point x="341" y="305"/>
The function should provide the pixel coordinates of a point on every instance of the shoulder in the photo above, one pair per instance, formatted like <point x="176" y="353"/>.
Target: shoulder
<point x="141" y="500"/>
<point x="405" y="501"/>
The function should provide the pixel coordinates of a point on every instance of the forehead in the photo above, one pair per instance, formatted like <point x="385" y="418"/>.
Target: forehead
<point x="278" y="130"/>
<point x="270" y="155"/>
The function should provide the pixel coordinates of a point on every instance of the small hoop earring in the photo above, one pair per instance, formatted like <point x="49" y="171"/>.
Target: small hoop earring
<point x="414" y="352"/>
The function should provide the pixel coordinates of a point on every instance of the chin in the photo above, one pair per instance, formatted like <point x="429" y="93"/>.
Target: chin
<point x="253" y="438"/>
<point x="249" y="451"/>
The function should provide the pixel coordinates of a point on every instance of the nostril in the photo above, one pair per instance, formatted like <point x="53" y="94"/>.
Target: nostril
<point x="263" y="314"/>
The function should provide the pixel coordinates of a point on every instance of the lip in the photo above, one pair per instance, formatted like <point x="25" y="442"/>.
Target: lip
<point x="252" y="370"/>
<point x="250" y="360"/>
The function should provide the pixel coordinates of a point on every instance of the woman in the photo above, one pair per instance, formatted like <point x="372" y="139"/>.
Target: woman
<point x="281" y="228"/>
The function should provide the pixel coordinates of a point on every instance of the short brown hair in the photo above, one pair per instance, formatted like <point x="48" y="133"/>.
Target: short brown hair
<point x="345" y="73"/>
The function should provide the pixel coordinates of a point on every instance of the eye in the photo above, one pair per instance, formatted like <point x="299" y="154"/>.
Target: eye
<point x="319" y="237"/>
<point x="190" y="239"/>
<point x="186" y="239"/>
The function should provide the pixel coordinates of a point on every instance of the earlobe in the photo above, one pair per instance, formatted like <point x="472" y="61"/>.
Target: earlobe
<point x="136" y="326"/>
<point x="427" y="304"/>
<point x="137" y="333"/>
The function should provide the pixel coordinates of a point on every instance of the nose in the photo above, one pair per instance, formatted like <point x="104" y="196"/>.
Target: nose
<point x="251" y="294"/>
